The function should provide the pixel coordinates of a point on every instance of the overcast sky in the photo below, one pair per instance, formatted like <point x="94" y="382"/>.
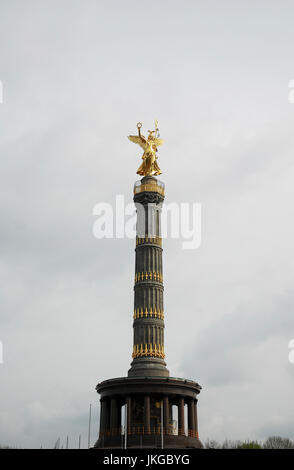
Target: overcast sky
<point x="77" y="76"/>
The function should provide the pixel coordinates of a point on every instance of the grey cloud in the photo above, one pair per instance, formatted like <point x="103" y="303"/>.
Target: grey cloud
<point x="77" y="77"/>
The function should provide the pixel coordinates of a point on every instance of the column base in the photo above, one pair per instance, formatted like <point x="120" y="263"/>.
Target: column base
<point x="140" y="431"/>
<point x="151" y="441"/>
<point x="147" y="367"/>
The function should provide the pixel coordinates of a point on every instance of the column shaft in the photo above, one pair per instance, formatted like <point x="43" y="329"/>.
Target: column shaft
<point x="147" y="414"/>
<point x="165" y="414"/>
<point x="190" y="417"/>
<point x="129" y="414"/>
<point x="106" y="415"/>
<point x="195" y="418"/>
<point x="181" y="416"/>
<point x="119" y="416"/>
<point x="113" y="416"/>
<point x="103" y="417"/>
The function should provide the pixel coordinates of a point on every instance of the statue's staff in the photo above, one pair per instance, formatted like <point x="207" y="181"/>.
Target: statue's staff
<point x="156" y="129"/>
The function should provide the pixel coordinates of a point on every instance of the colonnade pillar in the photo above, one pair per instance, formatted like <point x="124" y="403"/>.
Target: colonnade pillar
<point x="129" y="413"/>
<point x="147" y="414"/>
<point x="113" y="416"/>
<point x="191" y="420"/>
<point x="104" y="417"/>
<point x="195" y="418"/>
<point x="181" y="416"/>
<point x="165" y="414"/>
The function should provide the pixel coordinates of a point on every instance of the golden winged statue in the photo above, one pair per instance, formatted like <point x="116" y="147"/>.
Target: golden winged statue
<point x="149" y="166"/>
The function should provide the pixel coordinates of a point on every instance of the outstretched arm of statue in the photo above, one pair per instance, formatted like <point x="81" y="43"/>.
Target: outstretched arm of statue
<point x="138" y="139"/>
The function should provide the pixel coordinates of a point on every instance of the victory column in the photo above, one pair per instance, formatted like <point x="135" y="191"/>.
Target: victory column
<point x="148" y="394"/>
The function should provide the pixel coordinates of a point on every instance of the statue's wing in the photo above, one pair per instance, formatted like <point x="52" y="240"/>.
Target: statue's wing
<point x="158" y="142"/>
<point x="138" y="140"/>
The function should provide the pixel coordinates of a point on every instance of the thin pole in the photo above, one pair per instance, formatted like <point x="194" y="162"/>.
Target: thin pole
<point x="80" y="441"/>
<point x="67" y="442"/>
<point x="162" y="424"/>
<point x="99" y="420"/>
<point x="126" y="424"/>
<point x="89" y="430"/>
